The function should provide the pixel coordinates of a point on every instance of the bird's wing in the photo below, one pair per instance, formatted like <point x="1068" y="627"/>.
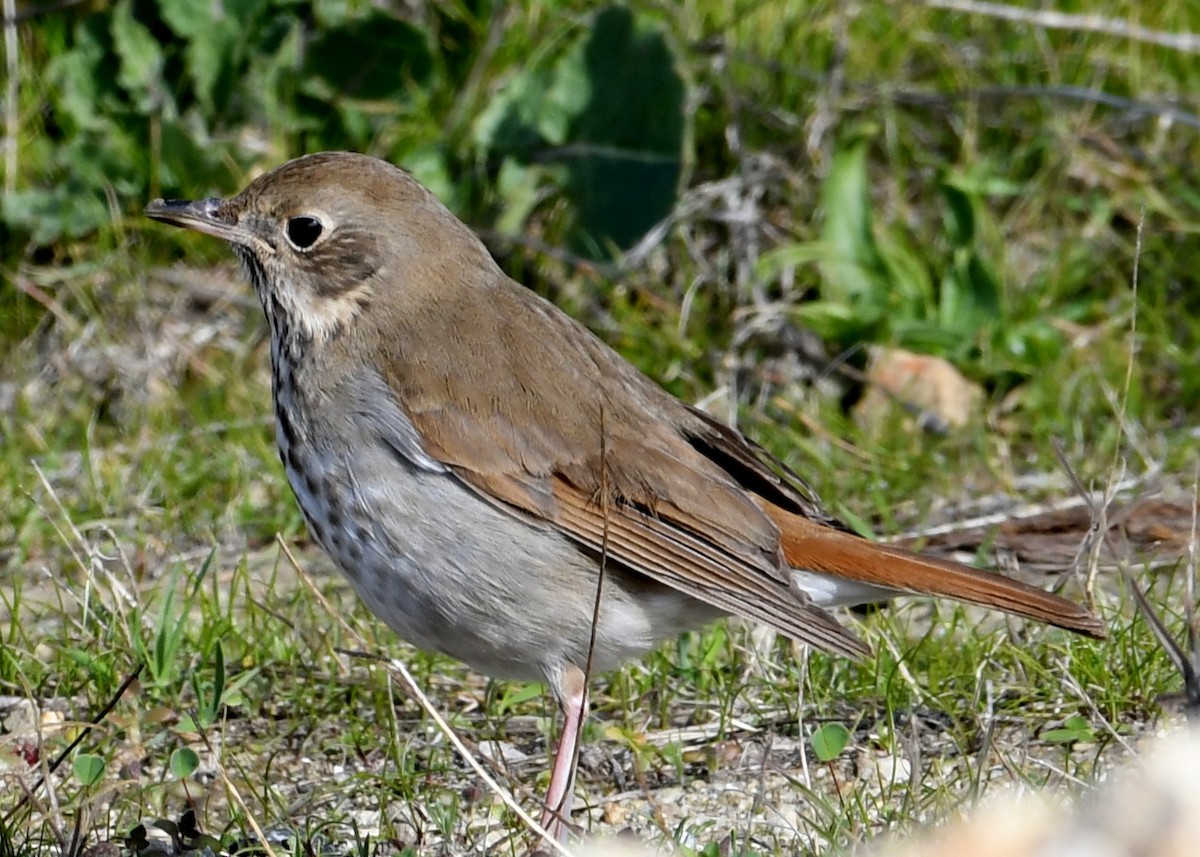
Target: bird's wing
<point x="600" y="452"/>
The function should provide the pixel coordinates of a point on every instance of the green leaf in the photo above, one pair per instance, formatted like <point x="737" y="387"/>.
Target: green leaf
<point x="521" y="189"/>
<point x="218" y="675"/>
<point x="610" y="111"/>
<point x="830" y="740"/>
<point x="529" y="114"/>
<point x="1074" y="729"/>
<point x="232" y="695"/>
<point x="1031" y="344"/>
<point x="911" y="292"/>
<point x="89" y="768"/>
<point x="536" y="108"/>
<point x="624" y="150"/>
<point x="162" y="657"/>
<point x="210" y="61"/>
<point x="191" y="163"/>
<point x="184" y="762"/>
<point x="374" y="58"/>
<point x="634" y="94"/>
<point x="958" y="215"/>
<point x="839" y="322"/>
<point x="516" y="695"/>
<point x="50" y="213"/>
<point x="76" y="76"/>
<point x="855" y="521"/>
<point x="211" y="696"/>
<point x="928" y="337"/>
<point x="188" y="18"/>
<point x="854" y="272"/>
<point x="428" y="163"/>
<point x="139" y="56"/>
<point x="970" y="295"/>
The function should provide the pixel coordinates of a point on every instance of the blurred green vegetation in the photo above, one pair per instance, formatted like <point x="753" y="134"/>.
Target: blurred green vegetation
<point x="167" y="97"/>
<point x="951" y="186"/>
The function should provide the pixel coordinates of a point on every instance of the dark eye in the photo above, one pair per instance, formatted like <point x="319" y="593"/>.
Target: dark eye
<point x="303" y="231"/>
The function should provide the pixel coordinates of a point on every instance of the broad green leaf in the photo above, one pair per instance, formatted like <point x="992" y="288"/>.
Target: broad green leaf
<point x="191" y="163"/>
<point x="184" y="762"/>
<point x="635" y="95"/>
<point x="428" y="164"/>
<point x="89" y="768"/>
<point x="529" y="114"/>
<point x="75" y="76"/>
<point x="521" y="189"/>
<point x="139" y="56"/>
<point x="610" y="111"/>
<point x="839" y="322"/>
<point x="624" y="150"/>
<point x="373" y="58"/>
<point x="47" y="214"/>
<point x="210" y="62"/>
<point x="970" y="295"/>
<point x="958" y="214"/>
<point x="926" y="336"/>
<point x="854" y="272"/>
<point x="830" y="740"/>
<point x="187" y="18"/>
<point x="1074" y="729"/>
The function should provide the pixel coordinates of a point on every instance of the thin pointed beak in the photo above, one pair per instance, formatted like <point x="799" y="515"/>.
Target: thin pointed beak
<point x="203" y="215"/>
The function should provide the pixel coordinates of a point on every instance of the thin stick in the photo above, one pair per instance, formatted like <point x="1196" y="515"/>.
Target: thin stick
<point x="112" y="703"/>
<point x="1185" y="42"/>
<point x="587" y="668"/>
<point x="237" y="796"/>
<point x="1185" y="662"/>
<point x="12" y="92"/>
<point x="587" y="671"/>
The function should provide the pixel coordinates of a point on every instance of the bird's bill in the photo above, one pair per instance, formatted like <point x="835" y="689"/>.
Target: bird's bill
<point x="203" y="215"/>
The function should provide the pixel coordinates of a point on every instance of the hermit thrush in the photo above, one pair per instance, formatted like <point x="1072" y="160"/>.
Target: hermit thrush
<point x="470" y="456"/>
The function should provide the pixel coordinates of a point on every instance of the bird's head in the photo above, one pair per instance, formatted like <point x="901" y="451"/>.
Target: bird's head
<point x="328" y="237"/>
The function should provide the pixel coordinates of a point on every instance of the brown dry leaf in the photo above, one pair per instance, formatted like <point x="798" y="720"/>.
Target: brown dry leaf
<point x="917" y="382"/>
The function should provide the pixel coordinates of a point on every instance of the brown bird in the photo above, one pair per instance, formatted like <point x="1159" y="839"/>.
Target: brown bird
<point x="470" y="456"/>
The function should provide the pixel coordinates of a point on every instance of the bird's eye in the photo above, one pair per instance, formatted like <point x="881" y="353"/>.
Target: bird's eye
<point x="303" y="231"/>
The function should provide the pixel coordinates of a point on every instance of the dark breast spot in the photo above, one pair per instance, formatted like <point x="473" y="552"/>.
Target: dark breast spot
<point x="314" y="526"/>
<point x="285" y="425"/>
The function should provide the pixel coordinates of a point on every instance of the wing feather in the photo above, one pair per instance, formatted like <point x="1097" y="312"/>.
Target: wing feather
<point x="532" y="441"/>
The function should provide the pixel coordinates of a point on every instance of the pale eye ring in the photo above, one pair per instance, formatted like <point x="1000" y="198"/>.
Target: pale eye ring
<point x="303" y="231"/>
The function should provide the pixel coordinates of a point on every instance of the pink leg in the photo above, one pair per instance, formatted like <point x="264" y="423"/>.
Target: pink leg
<point x="574" y="703"/>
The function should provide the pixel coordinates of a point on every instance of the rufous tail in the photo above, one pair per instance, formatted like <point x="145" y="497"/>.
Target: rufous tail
<point x="815" y="547"/>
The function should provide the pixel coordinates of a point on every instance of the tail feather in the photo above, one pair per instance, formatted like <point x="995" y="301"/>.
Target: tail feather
<point x="814" y="547"/>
